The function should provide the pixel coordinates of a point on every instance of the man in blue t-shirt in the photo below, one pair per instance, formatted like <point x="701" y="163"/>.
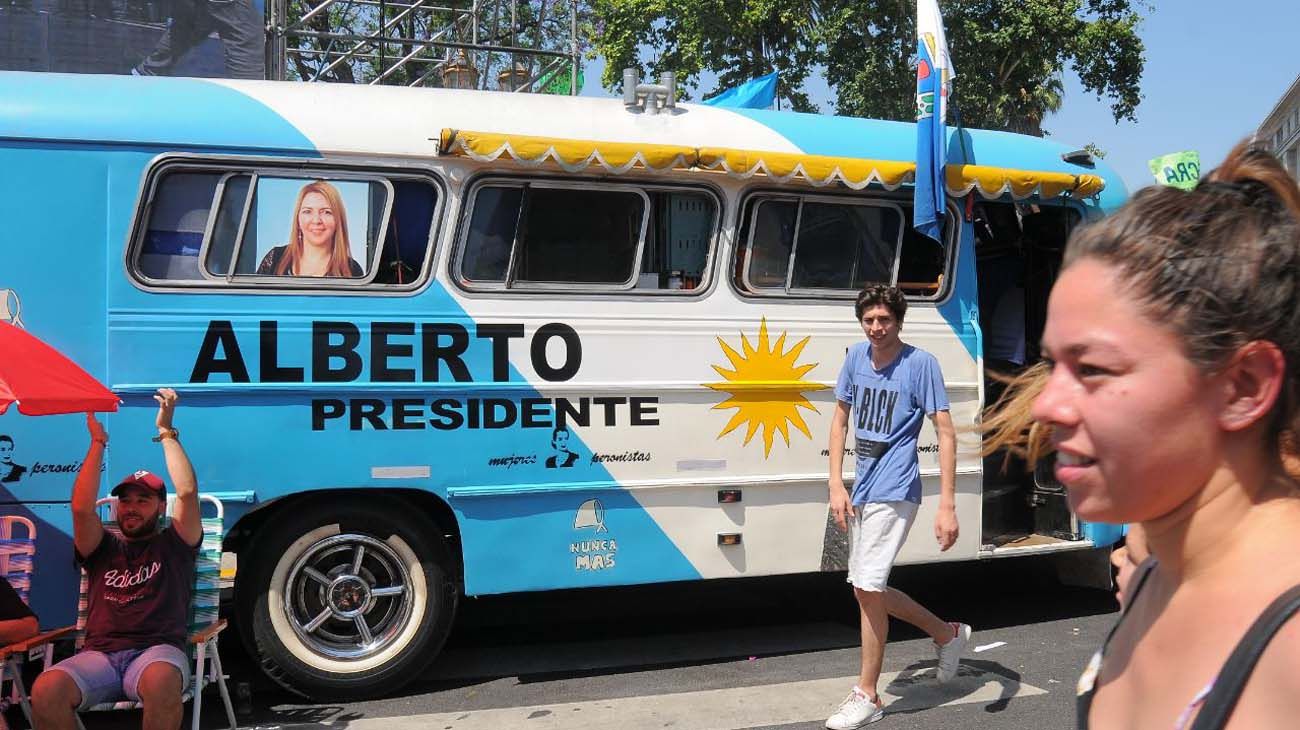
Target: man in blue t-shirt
<point x="885" y="390"/>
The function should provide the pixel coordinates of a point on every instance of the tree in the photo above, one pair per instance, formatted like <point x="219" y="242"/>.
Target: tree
<point x="733" y="39"/>
<point x="1010" y="57"/>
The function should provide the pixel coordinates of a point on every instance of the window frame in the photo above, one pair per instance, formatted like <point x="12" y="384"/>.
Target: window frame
<point x="209" y="229"/>
<point x="280" y="167"/>
<point x="749" y="242"/>
<point x="789" y="289"/>
<point x="469" y="197"/>
<point x="749" y="201"/>
<point x="372" y="266"/>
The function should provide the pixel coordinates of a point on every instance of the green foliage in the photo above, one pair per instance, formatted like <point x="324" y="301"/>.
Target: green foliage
<point x="732" y="39"/>
<point x="1010" y="55"/>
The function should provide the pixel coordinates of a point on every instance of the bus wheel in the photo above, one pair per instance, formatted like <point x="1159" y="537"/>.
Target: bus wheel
<point x="347" y="600"/>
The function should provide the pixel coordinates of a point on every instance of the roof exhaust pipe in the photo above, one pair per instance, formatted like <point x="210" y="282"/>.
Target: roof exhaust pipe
<point x="649" y="98"/>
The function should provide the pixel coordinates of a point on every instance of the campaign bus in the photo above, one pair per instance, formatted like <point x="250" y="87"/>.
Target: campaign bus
<point x="554" y="342"/>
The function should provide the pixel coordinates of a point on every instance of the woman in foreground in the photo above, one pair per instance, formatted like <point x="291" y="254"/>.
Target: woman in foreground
<point x="1172" y="383"/>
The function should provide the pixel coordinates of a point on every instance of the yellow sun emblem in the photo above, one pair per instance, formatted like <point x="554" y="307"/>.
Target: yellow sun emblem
<point x="766" y="386"/>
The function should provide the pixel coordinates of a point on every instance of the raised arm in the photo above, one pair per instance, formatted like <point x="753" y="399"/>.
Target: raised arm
<point x="945" y="522"/>
<point x="87" y="530"/>
<point x="185" y="516"/>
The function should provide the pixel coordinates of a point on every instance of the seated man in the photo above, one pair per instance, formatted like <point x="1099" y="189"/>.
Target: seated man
<point x="140" y="586"/>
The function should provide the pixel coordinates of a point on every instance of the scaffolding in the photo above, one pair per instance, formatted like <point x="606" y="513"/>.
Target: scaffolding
<point x="509" y="45"/>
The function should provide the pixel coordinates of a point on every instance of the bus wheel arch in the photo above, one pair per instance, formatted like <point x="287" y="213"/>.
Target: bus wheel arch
<point x="346" y="594"/>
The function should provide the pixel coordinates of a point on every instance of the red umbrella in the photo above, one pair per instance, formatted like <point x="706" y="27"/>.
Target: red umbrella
<point x="42" y="381"/>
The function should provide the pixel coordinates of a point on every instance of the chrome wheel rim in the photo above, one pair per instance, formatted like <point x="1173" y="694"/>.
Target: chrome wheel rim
<point x="348" y="596"/>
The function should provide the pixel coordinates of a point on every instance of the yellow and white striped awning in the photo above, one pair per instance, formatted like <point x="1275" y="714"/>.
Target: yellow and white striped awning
<point x="577" y="155"/>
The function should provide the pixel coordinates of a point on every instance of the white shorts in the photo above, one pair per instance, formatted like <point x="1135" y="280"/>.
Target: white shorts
<point x="876" y="534"/>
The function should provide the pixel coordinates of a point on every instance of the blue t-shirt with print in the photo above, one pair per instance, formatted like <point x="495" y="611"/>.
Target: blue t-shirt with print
<point x="888" y="408"/>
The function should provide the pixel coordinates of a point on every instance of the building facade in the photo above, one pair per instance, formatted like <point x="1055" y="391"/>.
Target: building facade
<point x="1280" y="131"/>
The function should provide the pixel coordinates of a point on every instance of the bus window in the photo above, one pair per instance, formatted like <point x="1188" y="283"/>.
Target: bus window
<point x="678" y="241"/>
<point x="844" y="246"/>
<point x="491" y="233"/>
<point x="921" y="262"/>
<point x="258" y="227"/>
<point x="406" y="242"/>
<point x="772" y="241"/>
<point x="227" y="222"/>
<point x="579" y="236"/>
<point x="528" y="235"/>
<point x="819" y="245"/>
<point x="174" y="234"/>
<point x="836" y="247"/>
<point x="300" y="227"/>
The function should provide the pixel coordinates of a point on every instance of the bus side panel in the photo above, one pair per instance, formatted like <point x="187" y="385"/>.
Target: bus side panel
<point x="429" y="431"/>
<point x="53" y="200"/>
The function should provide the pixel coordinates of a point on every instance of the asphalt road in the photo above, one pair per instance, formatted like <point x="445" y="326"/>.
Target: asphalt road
<point x="751" y="653"/>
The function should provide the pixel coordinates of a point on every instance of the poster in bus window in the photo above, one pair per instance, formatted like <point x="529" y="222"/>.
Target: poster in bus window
<point x="209" y="38"/>
<point x="309" y="227"/>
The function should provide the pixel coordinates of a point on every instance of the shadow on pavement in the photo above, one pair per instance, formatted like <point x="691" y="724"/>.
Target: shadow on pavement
<point x="916" y="689"/>
<point x="539" y="637"/>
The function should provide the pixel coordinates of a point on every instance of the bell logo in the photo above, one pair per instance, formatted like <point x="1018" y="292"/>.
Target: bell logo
<point x="10" y="307"/>
<point x="590" y="514"/>
<point x="591" y="554"/>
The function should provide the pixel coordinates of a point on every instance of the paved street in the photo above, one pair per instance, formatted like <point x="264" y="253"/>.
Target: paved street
<point x="772" y="653"/>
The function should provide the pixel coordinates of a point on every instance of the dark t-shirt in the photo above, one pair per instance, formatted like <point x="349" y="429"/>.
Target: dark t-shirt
<point x="271" y="261"/>
<point x="139" y="592"/>
<point x="11" y="605"/>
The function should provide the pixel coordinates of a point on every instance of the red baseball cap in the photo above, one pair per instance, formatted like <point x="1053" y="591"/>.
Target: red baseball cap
<point x="143" y="479"/>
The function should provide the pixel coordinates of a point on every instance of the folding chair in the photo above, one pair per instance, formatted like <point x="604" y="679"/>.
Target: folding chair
<point x="204" y="624"/>
<point x="17" y="560"/>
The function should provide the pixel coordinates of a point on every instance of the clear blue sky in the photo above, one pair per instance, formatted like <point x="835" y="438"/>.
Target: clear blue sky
<point x="1214" y="69"/>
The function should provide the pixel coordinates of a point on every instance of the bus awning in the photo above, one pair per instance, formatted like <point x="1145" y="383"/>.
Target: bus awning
<point x="577" y="155"/>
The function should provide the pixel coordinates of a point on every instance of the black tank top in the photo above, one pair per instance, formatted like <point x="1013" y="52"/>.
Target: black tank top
<point x="1231" y="680"/>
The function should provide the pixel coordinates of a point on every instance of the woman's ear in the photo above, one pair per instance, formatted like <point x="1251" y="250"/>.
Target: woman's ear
<point x="1251" y="385"/>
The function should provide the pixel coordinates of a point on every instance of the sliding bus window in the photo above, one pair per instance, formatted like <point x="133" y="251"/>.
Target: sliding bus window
<point x="822" y="245"/>
<point x="210" y="225"/>
<point x="575" y="237"/>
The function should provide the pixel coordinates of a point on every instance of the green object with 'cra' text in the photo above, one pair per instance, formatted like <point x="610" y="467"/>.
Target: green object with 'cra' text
<point x="1178" y="169"/>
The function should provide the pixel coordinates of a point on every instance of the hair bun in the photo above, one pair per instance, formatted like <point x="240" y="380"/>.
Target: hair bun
<point x="1254" y="173"/>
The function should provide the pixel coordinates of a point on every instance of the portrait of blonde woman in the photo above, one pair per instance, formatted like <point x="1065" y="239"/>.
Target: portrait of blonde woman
<point x="318" y="238"/>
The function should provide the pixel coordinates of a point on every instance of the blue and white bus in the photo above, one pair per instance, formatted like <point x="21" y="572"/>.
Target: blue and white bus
<point x="570" y="344"/>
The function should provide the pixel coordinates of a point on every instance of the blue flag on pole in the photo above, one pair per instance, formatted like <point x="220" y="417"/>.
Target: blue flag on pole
<point x="759" y="93"/>
<point x="934" y="74"/>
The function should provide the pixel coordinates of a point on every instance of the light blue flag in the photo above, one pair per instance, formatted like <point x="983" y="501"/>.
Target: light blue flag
<point x="759" y="93"/>
<point x="934" y="74"/>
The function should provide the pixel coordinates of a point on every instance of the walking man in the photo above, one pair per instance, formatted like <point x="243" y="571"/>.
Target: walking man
<point x="885" y="389"/>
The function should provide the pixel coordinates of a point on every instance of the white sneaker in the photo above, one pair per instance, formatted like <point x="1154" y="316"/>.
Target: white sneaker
<point x="950" y="654"/>
<point x="855" y="711"/>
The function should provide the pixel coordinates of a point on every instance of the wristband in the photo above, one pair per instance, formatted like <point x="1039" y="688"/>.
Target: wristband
<point x="167" y="433"/>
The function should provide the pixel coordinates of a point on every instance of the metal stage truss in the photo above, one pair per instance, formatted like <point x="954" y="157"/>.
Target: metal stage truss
<point x="511" y="45"/>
